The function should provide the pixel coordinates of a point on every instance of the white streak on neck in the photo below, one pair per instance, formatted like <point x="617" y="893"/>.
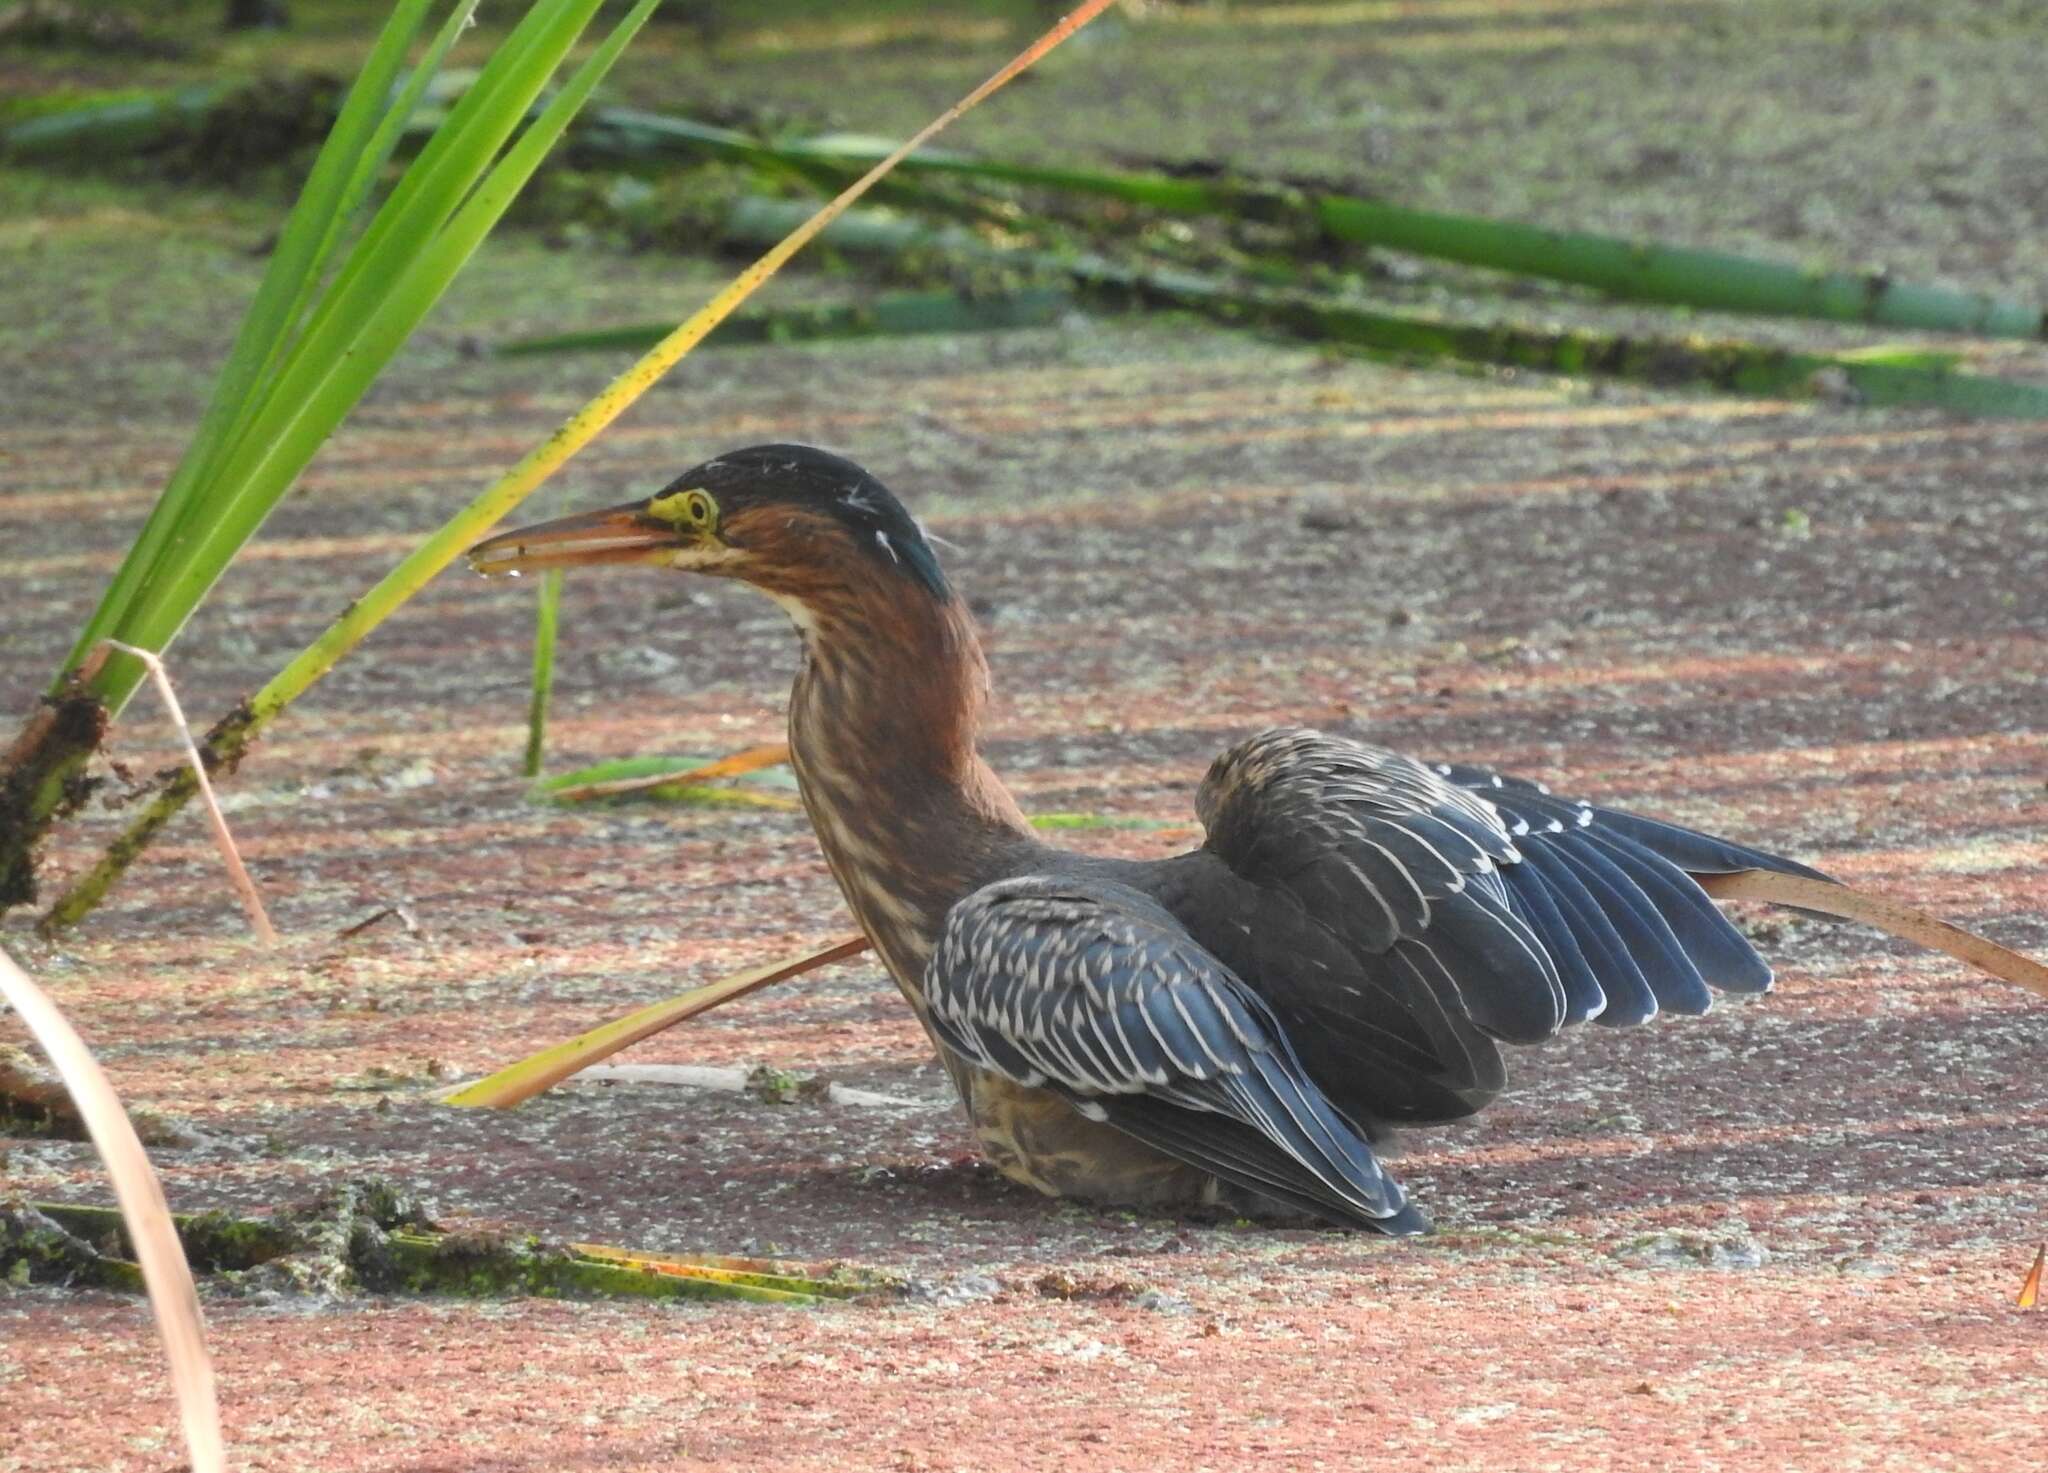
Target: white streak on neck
<point x="799" y="612"/>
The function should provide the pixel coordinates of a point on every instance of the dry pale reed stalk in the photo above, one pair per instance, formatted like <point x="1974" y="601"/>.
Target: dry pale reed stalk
<point x="259" y="919"/>
<point x="165" y="1272"/>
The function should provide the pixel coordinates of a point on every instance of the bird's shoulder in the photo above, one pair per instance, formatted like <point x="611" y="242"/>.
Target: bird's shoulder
<point x="1291" y="792"/>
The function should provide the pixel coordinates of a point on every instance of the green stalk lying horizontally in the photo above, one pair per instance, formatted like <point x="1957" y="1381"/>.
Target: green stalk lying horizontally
<point x="1727" y="365"/>
<point x="1632" y="270"/>
<point x="1644" y="271"/>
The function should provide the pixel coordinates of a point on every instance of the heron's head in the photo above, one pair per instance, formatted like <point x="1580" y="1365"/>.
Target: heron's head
<point x="801" y="524"/>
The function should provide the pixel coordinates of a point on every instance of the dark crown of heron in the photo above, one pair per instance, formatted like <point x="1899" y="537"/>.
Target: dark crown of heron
<point x="752" y="484"/>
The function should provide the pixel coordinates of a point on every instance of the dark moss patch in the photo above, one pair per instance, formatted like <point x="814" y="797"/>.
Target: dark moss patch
<point x="36" y="1249"/>
<point x="49" y="755"/>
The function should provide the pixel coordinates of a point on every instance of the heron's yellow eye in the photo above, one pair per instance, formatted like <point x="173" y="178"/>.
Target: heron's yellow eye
<point x="694" y="509"/>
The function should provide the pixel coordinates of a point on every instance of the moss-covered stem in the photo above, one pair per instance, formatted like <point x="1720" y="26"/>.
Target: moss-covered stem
<point x="401" y="1257"/>
<point x="42" y="775"/>
<point x="221" y="752"/>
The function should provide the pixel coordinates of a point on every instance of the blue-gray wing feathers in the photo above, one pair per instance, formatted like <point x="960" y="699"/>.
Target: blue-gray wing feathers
<point x="1537" y="911"/>
<point x="1356" y="936"/>
<point x="1092" y="989"/>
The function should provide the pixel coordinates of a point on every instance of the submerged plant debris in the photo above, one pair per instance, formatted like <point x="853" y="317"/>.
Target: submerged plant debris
<point x="35" y="1104"/>
<point x="370" y="1237"/>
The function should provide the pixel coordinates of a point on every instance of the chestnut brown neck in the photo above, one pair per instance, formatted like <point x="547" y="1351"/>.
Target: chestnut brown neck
<point x="882" y="729"/>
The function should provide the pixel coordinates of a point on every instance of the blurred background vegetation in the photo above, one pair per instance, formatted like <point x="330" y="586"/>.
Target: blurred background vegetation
<point x="1894" y="130"/>
<point x="1889" y="134"/>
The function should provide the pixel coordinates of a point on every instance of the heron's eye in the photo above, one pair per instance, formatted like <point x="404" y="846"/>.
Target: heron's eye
<point x="694" y="509"/>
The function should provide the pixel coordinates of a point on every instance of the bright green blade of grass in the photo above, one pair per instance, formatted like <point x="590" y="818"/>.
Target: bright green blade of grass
<point x="458" y="152"/>
<point x="390" y="279"/>
<point x="545" y="616"/>
<point x="362" y="323"/>
<point x="685" y="769"/>
<point x="295" y="264"/>
<point x="683" y="780"/>
<point x="699" y="796"/>
<point x="369" y="165"/>
<point x="398" y="118"/>
<point x="619" y="769"/>
<point x="337" y="186"/>
<point x="246" y="472"/>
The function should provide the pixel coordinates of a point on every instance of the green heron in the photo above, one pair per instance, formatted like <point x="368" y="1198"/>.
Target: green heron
<point x="1345" y="953"/>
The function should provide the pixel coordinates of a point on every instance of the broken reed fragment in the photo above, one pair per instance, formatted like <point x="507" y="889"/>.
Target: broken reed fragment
<point x="542" y="1071"/>
<point x="1886" y="915"/>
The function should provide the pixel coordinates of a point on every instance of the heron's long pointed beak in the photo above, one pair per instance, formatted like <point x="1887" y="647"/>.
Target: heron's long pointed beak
<point x="619" y="534"/>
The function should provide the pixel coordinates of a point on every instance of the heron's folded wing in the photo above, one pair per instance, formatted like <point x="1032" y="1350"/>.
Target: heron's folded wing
<point x="1092" y="989"/>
